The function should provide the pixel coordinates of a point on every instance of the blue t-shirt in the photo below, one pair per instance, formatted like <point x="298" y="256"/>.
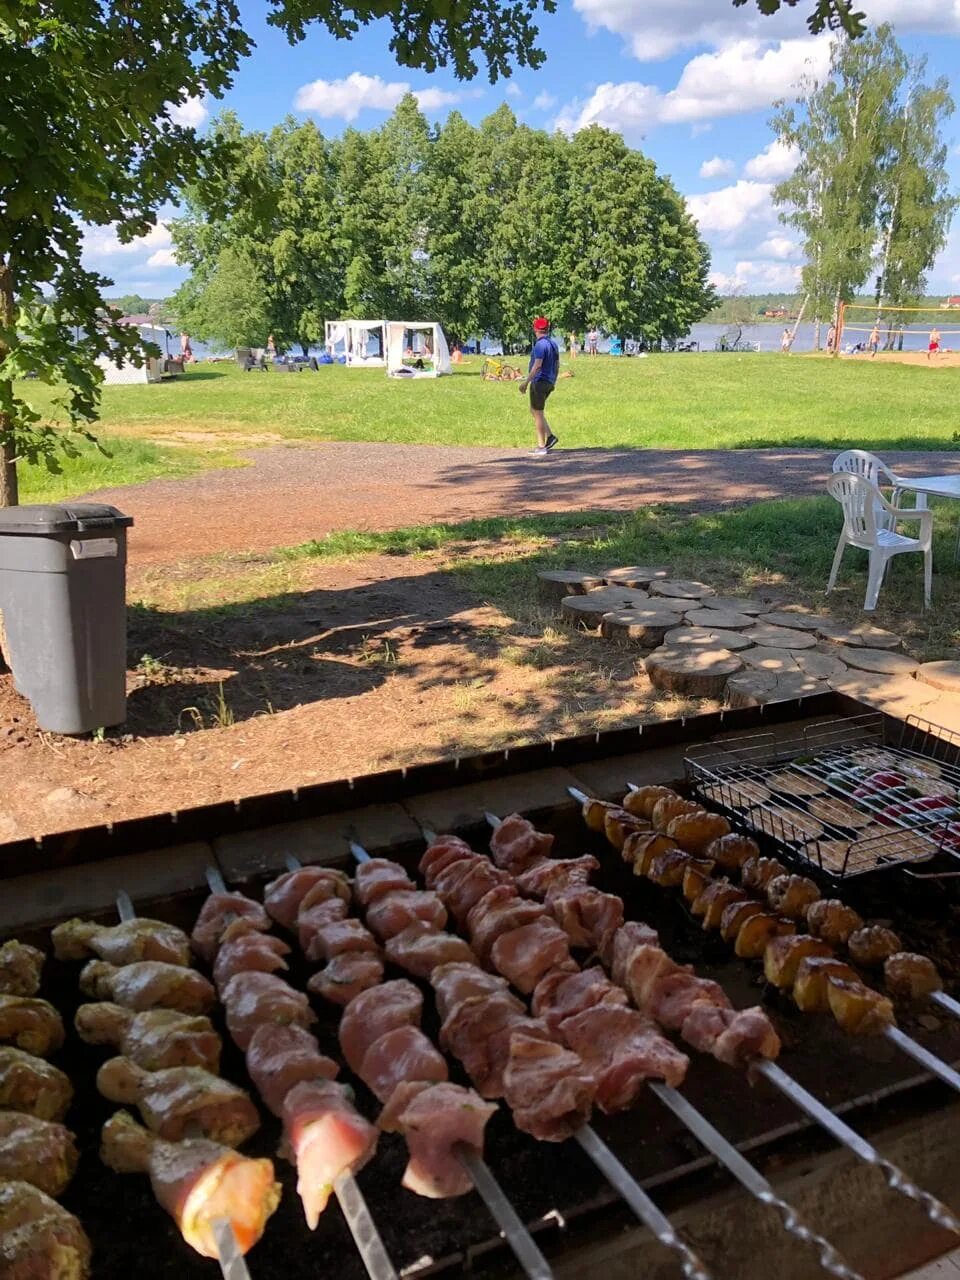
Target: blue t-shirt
<point x="546" y="349"/>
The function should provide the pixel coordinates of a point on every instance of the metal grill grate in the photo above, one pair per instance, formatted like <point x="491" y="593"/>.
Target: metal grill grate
<point x="847" y="796"/>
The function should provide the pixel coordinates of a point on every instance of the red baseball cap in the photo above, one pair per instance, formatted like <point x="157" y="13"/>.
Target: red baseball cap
<point x="541" y="324"/>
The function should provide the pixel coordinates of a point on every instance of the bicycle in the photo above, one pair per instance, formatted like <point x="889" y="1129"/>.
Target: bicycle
<point x="497" y="371"/>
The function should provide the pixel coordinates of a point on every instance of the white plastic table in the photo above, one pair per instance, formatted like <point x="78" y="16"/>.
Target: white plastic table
<point x="934" y="487"/>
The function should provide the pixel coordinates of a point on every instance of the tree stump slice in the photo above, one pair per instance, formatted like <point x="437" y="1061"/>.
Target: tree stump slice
<point x="862" y="636"/>
<point x="682" y="589"/>
<point x="781" y="637"/>
<point x="706" y="638"/>
<point x="775" y="661"/>
<point x="637" y="626"/>
<point x="758" y="688"/>
<point x="634" y="575"/>
<point x="822" y="666"/>
<point x="725" y="619"/>
<point x="698" y="673"/>
<point x="739" y="604"/>
<point x="556" y="584"/>
<point x="881" y="661"/>
<point x="588" y="610"/>
<point x="625" y="597"/>
<point x="796" y="621"/>
<point x="941" y="675"/>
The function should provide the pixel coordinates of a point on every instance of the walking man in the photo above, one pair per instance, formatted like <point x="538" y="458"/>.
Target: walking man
<point x="541" y="379"/>
<point x="873" y="342"/>
<point x="593" y="338"/>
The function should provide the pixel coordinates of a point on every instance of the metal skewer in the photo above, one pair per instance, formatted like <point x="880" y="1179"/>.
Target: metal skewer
<point x="514" y="1232"/>
<point x="355" y="1210"/>
<point x="233" y="1265"/>
<point x="744" y="1172"/>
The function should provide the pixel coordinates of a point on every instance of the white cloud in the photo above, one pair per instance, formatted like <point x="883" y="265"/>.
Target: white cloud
<point x="513" y="90"/>
<point x="103" y="242"/>
<point x="163" y="258"/>
<point x="717" y="168"/>
<point x="544" y="101"/>
<point x="346" y="98"/>
<point x="778" y="247"/>
<point x="774" y="162"/>
<point x="728" y="211"/>
<point x="756" y="277"/>
<point x="191" y="113"/>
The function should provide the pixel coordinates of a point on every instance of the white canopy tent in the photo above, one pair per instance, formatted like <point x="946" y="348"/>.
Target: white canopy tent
<point x="129" y="374"/>
<point x="361" y="342"/>
<point x="416" y="349"/>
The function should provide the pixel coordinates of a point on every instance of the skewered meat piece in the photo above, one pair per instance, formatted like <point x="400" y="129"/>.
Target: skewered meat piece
<point x="375" y="1012"/>
<point x="148" y="984"/>
<point x="811" y="983"/>
<point x="377" y="877"/>
<point x="695" y="831"/>
<point x="327" y="1137"/>
<point x="671" y="999"/>
<point x="391" y="915"/>
<point x="792" y="895"/>
<point x="619" y="824"/>
<point x="278" y="1058"/>
<point x="36" y="1151"/>
<point x="735" y="915"/>
<point x="402" y="1054"/>
<point x="629" y="936"/>
<point x="252" y="999"/>
<point x="732" y="850"/>
<point x="125" y="943"/>
<point x="642" y="801"/>
<point x="911" y="977"/>
<point x="668" y="868"/>
<point x="858" y="1009"/>
<point x="833" y="921"/>
<point x="548" y="1088"/>
<point x="715" y="896"/>
<point x="755" y="934"/>
<point x="642" y="848"/>
<point x="588" y="917"/>
<point x="444" y="851"/>
<point x="556" y="874"/>
<point x="435" y="1120"/>
<point x="198" y="1182"/>
<point x="594" y="812"/>
<point x="516" y="844"/>
<point x="560" y="994"/>
<point x="622" y="1049"/>
<point x="419" y="949"/>
<point x="38" y="1238"/>
<point x="346" y="975"/>
<point x="30" y="1024"/>
<point x="324" y="930"/>
<point x="478" y="1033"/>
<point x="670" y="807"/>
<point x="260" y="952"/>
<point x="756" y="873"/>
<point x="462" y="885"/>
<point x="873" y="944"/>
<point x="734" y="1036"/>
<point x="497" y="912"/>
<point x="154" y="1039"/>
<point x="219" y="913"/>
<point x="283" y="897"/>
<point x="781" y="960"/>
<point x="525" y="954"/>
<point x="178" y="1099"/>
<point x="33" y="1086"/>
<point x="459" y="981"/>
<point x="20" y="969"/>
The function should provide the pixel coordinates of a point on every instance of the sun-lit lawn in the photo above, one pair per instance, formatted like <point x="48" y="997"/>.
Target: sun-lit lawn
<point x="116" y="462"/>
<point x="667" y="401"/>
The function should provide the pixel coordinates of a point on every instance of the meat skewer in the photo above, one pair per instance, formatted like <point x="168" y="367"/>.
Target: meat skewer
<point x="629" y="1189"/>
<point x="349" y="1196"/>
<point x="741" y="1169"/>
<point x="896" y="1179"/>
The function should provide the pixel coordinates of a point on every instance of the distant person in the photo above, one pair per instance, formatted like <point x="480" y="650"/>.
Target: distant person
<point x="271" y="347"/>
<point x="933" y="347"/>
<point x="573" y="344"/>
<point x="593" y="339"/>
<point x="186" y="351"/>
<point x="456" y="355"/>
<point x="873" y="342"/>
<point x="541" y="379"/>
<point x="831" y="339"/>
<point x="786" y="342"/>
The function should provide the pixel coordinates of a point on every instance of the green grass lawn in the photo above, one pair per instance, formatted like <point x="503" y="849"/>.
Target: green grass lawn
<point x="667" y="401"/>
<point x="123" y="461"/>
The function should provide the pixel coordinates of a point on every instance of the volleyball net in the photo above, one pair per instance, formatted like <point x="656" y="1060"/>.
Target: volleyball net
<point x="869" y="324"/>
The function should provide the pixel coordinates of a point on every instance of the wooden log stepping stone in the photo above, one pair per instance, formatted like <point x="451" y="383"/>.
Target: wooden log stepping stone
<point x="638" y="626"/>
<point x="588" y="610"/>
<point x="781" y="637"/>
<point x="706" y="638"/>
<point x="727" y="619"/>
<point x="699" y="673"/>
<point x="862" y="636"/>
<point x="941" y="675"/>
<point x="779" y="661"/>
<point x="880" y="660"/>
<point x="797" y="621"/>
<point x="682" y="589"/>
<point x="758" y="688"/>
<point x="634" y="575"/>
<point x="823" y="666"/>
<point x="739" y="604"/>
<point x="555" y="584"/>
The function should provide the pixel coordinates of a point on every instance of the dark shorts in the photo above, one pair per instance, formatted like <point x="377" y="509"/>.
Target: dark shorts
<point x="539" y="391"/>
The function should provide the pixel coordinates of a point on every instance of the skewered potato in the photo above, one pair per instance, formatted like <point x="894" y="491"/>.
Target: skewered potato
<point x="594" y="812"/>
<point x="644" y="846"/>
<point x="732" y="850"/>
<point x="873" y="944"/>
<point x="713" y="902"/>
<point x="833" y="921"/>
<point x="858" y="1009"/>
<point x="756" y="873"/>
<point x="666" y="868"/>
<point x="670" y="807"/>
<point x="641" y="801"/>
<point x="756" y="932"/>
<point x="694" y="831"/>
<point x="781" y="960"/>
<point x="696" y="875"/>
<point x="735" y="914"/>
<point x="911" y="977"/>
<point x="810" y="985"/>
<point x="710" y="892"/>
<point x="618" y="824"/>
<point x="792" y="895"/>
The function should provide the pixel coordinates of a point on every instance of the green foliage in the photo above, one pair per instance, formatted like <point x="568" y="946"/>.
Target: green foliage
<point x="230" y="308"/>
<point x="832" y="15"/>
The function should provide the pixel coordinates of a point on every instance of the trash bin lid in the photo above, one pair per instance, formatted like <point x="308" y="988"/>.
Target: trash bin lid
<point x="70" y="517"/>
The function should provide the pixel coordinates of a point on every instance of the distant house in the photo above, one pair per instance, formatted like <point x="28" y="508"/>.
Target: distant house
<point x="951" y="304"/>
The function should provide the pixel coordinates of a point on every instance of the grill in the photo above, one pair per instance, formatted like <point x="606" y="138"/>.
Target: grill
<point x="577" y="1217"/>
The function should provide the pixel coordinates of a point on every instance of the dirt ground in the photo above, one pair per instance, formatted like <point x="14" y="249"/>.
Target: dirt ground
<point x="943" y="360"/>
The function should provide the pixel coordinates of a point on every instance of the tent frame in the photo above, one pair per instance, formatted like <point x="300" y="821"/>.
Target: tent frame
<point x="400" y="364"/>
<point x="353" y="334"/>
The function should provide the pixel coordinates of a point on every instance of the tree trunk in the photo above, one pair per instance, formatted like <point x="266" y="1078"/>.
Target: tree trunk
<point x="803" y="307"/>
<point x="9" y="491"/>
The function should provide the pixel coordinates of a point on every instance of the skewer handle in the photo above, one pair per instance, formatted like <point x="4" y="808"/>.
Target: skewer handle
<point x="946" y="1002"/>
<point x="232" y="1263"/>
<point x="362" y="1228"/>
<point x="638" y="1200"/>
<point x="291" y="863"/>
<point x="578" y="795"/>
<point x="125" y="908"/>
<point x="936" y="1066"/>
<point x="515" y="1233"/>
<point x="359" y="852"/>
<point x="215" y="880"/>
<point x="897" y="1180"/>
<point x="492" y="819"/>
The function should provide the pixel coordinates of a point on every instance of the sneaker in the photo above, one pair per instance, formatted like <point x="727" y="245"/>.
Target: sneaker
<point x="552" y="441"/>
<point x="539" y="452"/>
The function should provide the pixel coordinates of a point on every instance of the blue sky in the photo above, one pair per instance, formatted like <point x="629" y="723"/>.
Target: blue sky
<point x="690" y="82"/>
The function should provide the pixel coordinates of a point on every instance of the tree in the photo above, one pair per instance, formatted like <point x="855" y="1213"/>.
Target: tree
<point x="833" y="15"/>
<point x="231" y="307"/>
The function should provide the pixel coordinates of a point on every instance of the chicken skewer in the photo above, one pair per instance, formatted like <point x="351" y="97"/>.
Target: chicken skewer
<point x="896" y="1179"/>
<point x="750" y="1178"/>
<point x="349" y="1196"/>
<point x="628" y="1188"/>
<point x="511" y="1226"/>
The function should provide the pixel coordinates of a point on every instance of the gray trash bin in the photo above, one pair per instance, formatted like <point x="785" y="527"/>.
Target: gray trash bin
<point x="63" y="601"/>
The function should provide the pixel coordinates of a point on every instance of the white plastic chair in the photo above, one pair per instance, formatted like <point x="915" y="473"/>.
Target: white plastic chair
<point x="859" y="462"/>
<point x="861" y="501"/>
